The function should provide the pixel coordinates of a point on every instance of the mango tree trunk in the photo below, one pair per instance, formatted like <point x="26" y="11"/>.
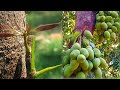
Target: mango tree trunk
<point x="12" y="48"/>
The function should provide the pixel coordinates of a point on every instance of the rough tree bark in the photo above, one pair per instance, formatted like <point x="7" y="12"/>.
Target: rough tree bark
<point x="12" y="49"/>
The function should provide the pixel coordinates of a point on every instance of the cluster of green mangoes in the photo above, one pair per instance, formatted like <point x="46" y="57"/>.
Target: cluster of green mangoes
<point x="107" y="24"/>
<point x="79" y="61"/>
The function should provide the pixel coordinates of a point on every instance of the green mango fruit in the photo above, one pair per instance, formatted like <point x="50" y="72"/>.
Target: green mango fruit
<point x="90" y="65"/>
<point x="101" y="13"/>
<point x="113" y="35"/>
<point x="104" y="26"/>
<point x="75" y="46"/>
<point x="67" y="70"/>
<point x="91" y="54"/>
<point x="114" y="29"/>
<point x="66" y="60"/>
<point x="114" y="14"/>
<point x="84" y="65"/>
<point x="103" y="63"/>
<point x="98" y="73"/>
<point x="85" y="42"/>
<point x="88" y="34"/>
<point x="74" y="64"/>
<point x="108" y="19"/>
<point x="80" y="75"/>
<point x="81" y="58"/>
<point x="107" y="34"/>
<point x="109" y="24"/>
<point x="96" y="62"/>
<point x="97" y="52"/>
<point x="74" y="54"/>
<point x="109" y="30"/>
<point x="84" y="51"/>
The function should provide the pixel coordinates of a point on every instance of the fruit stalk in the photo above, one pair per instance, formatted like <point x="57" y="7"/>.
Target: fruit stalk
<point x="46" y="70"/>
<point x="33" y="69"/>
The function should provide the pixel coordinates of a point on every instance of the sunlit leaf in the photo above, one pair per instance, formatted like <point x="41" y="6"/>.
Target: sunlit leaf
<point x="44" y="28"/>
<point x="75" y="36"/>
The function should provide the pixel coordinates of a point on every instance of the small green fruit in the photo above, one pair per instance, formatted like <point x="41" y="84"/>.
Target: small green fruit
<point x="74" y="64"/>
<point x="84" y="51"/>
<point x="91" y="54"/>
<point x="84" y="65"/>
<point x="88" y="34"/>
<point x="102" y="18"/>
<point x="113" y="35"/>
<point x="98" y="73"/>
<point x="68" y="52"/>
<point x="101" y="13"/>
<point x="74" y="54"/>
<point x="117" y="24"/>
<point x="109" y="30"/>
<point x="108" y="19"/>
<point x="114" y="29"/>
<point x="90" y="65"/>
<point x="107" y="34"/>
<point x="109" y="25"/>
<point x="67" y="70"/>
<point x="75" y="46"/>
<point x="117" y="20"/>
<point x="104" y="26"/>
<point x="85" y="42"/>
<point x="80" y="75"/>
<point x="81" y="58"/>
<point x="98" y="26"/>
<point x="103" y="63"/>
<point x="66" y="60"/>
<point x="97" y="52"/>
<point x="114" y="14"/>
<point x="96" y="62"/>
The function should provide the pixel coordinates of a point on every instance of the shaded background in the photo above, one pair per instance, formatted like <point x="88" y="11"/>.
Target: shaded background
<point x="48" y="49"/>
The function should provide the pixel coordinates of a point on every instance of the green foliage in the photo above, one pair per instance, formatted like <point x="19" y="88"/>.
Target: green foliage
<point x="108" y="40"/>
<point x="47" y="51"/>
<point x="68" y="27"/>
<point x="43" y="17"/>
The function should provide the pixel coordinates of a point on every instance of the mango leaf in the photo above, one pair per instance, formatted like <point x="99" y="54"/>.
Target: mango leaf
<point x="46" y="70"/>
<point x="76" y="33"/>
<point x="68" y="36"/>
<point x="43" y="28"/>
<point x="75" y="36"/>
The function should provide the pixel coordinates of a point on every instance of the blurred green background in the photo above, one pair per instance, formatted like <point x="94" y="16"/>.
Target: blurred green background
<point x="48" y="49"/>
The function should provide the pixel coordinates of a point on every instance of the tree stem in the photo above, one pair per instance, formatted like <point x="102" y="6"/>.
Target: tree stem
<point x="33" y="69"/>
